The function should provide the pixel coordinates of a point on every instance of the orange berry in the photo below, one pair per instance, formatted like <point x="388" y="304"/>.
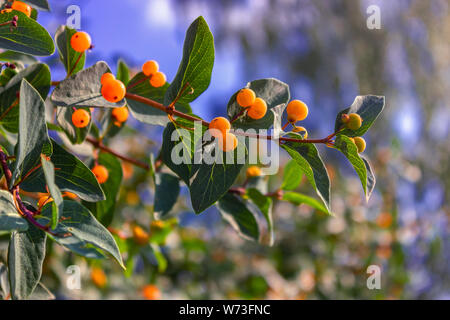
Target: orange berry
<point x="229" y="142"/>
<point x="69" y="195"/>
<point x="253" y="171"/>
<point x="6" y="10"/>
<point x="297" y="111"/>
<point x="120" y="114"/>
<point x="22" y="7"/>
<point x="140" y="235"/>
<point x="98" y="277"/>
<point x="246" y="97"/>
<point x="158" y="79"/>
<point x="384" y="220"/>
<point x="151" y="292"/>
<point x="219" y="126"/>
<point x="113" y="91"/>
<point x="43" y="200"/>
<point x="101" y="173"/>
<point x="80" y="41"/>
<point x="108" y="76"/>
<point x="258" y="109"/>
<point x="81" y="118"/>
<point x="150" y="67"/>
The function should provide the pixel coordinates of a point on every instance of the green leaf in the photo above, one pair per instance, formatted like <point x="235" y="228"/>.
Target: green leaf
<point x="178" y="142"/>
<point x="167" y="189"/>
<point x="13" y="56"/>
<point x="371" y="180"/>
<point x="368" y="107"/>
<point x="26" y="255"/>
<point x="71" y="175"/>
<point x="81" y="230"/>
<point x="123" y="72"/>
<point x="265" y="206"/>
<point x="104" y="210"/>
<point x="159" y="257"/>
<point x="41" y="293"/>
<point x="207" y="181"/>
<point x="6" y="75"/>
<point x="241" y="215"/>
<point x="292" y="176"/>
<point x="308" y="159"/>
<point x="196" y="65"/>
<point x="273" y="91"/>
<point x="350" y="151"/>
<point x="83" y="89"/>
<point x="57" y="204"/>
<point x="69" y="57"/>
<point x="38" y="75"/>
<point x="298" y="198"/>
<point x="33" y="133"/>
<point x="277" y="119"/>
<point x="28" y="37"/>
<point x="39" y="4"/>
<point x="140" y="85"/>
<point x="74" y="134"/>
<point x="10" y="219"/>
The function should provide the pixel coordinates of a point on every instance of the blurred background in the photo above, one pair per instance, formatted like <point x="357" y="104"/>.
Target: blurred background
<point x="327" y="54"/>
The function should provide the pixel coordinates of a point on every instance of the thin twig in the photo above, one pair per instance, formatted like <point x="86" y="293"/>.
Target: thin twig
<point x="99" y="145"/>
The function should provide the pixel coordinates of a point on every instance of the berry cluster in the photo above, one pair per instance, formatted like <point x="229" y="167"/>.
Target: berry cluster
<point x="256" y="107"/>
<point x="151" y="70"/>
<point x="353" y="121"/>
<point x="113" y="90"/>
<point x="219" y="128"/>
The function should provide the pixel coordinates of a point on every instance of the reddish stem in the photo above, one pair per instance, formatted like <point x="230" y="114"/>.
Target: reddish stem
<point x="80" y="54"/>
<point x="98" y="144"/>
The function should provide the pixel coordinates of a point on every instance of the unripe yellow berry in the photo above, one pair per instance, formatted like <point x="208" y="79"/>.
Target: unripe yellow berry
<point x="360" y="144"/>
<point x="246" y="97"/>
<point x="258" y="109"/>
<point x="297" y="111"/>
<point x="301" y="129"/>
<point x="354" y="121"/>
<point x="345" y="118"/>
<point x="253" y="171"/>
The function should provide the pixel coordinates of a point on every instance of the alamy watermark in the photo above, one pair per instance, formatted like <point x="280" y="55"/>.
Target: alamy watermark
<point x="374" y="280"/>
<point x="74" y="19"/>
<point x="374" y="19"/>
<point x="73" y="281"/>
